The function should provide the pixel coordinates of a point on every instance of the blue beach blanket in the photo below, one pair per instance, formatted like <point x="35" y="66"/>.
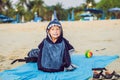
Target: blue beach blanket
<point x="29" y="71"/>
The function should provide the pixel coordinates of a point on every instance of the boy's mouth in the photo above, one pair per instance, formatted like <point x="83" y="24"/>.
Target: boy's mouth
<point x="55" y="34"/>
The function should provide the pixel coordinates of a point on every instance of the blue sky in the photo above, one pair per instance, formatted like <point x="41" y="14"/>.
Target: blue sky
<point x="65" y="3"/>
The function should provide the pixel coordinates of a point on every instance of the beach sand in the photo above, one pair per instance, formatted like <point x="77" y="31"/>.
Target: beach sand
<point x="102" y="37"/>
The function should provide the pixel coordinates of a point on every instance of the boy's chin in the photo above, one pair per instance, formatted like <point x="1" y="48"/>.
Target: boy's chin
<point x="55" y="37"/>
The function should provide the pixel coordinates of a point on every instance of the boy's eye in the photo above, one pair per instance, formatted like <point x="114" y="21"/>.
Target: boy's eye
<point x="52" y="29"/>
<point x="55" y="29"/>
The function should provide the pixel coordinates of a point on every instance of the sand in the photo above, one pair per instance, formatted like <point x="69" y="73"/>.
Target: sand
<point x="102" y="37"/>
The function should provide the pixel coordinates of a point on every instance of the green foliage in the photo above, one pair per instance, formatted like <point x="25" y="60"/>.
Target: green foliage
<point x="37" y="6"/>
<point x="28" y="16"/>
<point x="11" y="13"/>
<point x="46" y="11"/>
<point x="77" y="16"/>
<point x="107" y="4"/>
<point x="61" y="13"/>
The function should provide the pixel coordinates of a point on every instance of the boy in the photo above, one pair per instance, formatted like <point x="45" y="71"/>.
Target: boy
<point x="55" y="50"/>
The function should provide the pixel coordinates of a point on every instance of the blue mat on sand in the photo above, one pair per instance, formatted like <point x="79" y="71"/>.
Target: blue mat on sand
<point x="83" y="72"/>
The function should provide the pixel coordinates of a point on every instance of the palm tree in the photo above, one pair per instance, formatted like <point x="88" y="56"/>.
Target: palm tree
<point x="9" y="9"/>
<point x="61" y="13"/>
<point x="23" y="9"/>
<point x="37" y="6"/>
<point x="6" y="8"/>
<point x="48" y="11"/>
<point x="2" y="5"/>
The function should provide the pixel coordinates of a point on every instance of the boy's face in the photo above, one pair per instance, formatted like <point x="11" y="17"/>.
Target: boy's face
<point x="54" y="32"/>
